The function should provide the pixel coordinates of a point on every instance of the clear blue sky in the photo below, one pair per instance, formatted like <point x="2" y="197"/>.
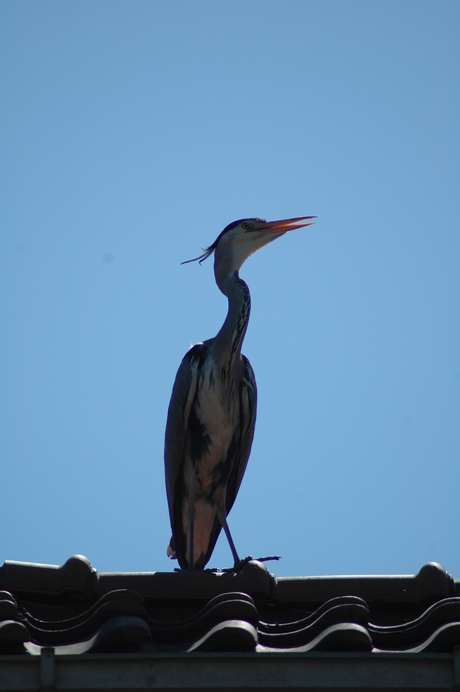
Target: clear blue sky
<point x="132" y="133"/>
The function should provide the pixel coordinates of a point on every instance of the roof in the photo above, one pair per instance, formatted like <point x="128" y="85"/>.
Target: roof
<point x="72" y="611"/>
<point x="75" y="609"/>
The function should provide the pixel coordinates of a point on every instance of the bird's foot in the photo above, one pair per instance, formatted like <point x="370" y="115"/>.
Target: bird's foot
<point x="268" y="559"/>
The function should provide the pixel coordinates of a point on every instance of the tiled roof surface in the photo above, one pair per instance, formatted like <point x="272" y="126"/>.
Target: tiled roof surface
<point x="75" y="610"/>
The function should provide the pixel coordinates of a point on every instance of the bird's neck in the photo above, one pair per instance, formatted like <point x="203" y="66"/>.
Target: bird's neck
<point x="228" y="342"/>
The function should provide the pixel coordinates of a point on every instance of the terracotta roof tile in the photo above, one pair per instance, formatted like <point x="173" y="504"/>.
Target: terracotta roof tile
<point x="75" y="610"/>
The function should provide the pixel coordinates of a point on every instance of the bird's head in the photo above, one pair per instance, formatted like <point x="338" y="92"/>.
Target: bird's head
<point x="241" y="238"/>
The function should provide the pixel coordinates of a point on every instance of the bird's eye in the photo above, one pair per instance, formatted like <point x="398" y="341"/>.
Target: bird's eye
<point x="246" y="226"/>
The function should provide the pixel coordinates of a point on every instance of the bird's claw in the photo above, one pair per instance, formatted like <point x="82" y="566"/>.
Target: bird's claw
<point x="268" y="559"/>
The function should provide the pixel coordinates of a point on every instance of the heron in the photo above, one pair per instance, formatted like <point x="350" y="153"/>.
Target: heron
<point x="212" y="412"/>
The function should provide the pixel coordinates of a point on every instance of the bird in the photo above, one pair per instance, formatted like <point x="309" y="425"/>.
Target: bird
<point x="212" y="412"/>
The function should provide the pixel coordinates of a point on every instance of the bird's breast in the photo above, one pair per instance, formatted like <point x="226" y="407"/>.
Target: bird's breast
<point x="217" y="416"/>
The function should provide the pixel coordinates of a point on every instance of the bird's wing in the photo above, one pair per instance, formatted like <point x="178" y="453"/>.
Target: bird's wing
<point x="242" y="446"/>
<point x="248" y="413"/>
<point x="182" y="397"/>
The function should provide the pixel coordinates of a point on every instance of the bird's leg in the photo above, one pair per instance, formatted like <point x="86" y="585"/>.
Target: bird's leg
<point x="223" y="521"/>
<point x="222" y="516"/>
<point x="191" y="514"/>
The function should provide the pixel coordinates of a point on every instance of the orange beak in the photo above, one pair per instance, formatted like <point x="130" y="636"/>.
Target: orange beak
<point x="288" y="224"/>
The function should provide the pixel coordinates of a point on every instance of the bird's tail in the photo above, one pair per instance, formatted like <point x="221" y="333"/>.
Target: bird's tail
<point x="171" y="549"/>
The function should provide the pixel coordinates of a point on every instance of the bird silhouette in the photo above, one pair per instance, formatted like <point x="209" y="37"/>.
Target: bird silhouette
<point x="212" y="412"/>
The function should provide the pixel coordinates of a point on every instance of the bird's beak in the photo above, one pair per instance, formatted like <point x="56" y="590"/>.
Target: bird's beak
<point x="288" y="224"/>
